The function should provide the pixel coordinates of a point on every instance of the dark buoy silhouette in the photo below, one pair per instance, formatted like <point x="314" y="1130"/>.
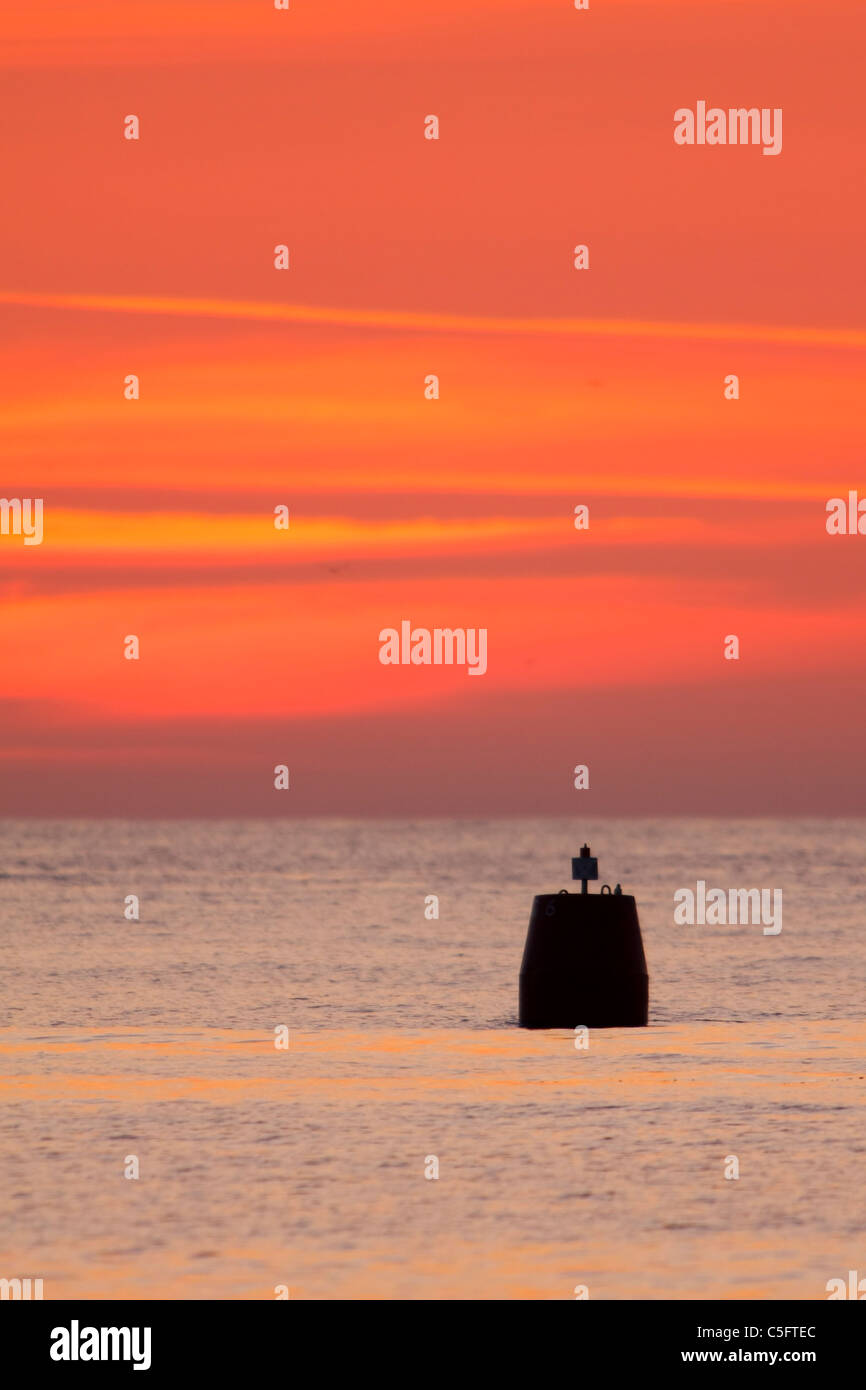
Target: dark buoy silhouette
<point x="583" y="962"/>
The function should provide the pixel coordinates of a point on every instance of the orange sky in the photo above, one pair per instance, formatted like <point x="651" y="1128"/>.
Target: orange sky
<point x="305" y="387"/>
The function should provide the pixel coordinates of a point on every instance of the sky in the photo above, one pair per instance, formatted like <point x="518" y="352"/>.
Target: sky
<point x="305" y="388"/>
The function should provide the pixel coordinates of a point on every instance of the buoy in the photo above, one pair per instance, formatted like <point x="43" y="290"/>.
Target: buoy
<point x="583" y="962"/>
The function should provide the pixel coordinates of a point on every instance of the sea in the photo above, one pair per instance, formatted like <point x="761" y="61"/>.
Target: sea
<point x="246" y="1060"/>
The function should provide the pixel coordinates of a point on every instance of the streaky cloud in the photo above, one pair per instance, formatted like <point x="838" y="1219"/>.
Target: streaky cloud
<point x="422" y="321"/>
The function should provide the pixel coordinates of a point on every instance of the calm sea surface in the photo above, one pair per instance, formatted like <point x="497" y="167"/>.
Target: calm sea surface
<point x="305" y="1167"/>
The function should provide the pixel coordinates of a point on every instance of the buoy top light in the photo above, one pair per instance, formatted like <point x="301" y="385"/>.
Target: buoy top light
<point x="584" y="867"/>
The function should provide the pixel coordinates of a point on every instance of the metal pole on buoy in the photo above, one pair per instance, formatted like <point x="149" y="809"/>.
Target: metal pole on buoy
<point x="583" y="962"/>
